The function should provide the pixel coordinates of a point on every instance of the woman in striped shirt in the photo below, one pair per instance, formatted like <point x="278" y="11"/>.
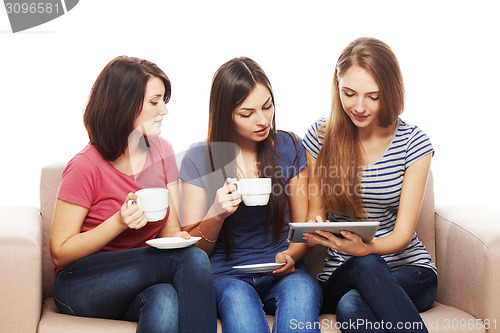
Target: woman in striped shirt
<point x="369" y="165"/>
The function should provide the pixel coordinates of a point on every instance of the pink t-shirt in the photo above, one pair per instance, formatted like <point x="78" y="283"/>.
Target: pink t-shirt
<point x="92" y="182"/>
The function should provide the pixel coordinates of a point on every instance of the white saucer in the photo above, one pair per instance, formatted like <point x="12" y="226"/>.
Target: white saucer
<point x="172" y="242"/>
<point x="258" y="268"/>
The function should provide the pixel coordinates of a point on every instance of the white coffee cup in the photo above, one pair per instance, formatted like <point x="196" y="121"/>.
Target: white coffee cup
<point x="254" y="191"/>
<point x="153" y="202"/>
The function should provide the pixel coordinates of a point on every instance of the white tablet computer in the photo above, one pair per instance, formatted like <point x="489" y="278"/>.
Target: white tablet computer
<point x="366" y="230"/>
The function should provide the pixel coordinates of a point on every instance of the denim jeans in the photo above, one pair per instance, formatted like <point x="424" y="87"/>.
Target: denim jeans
<point x="163" y="290"/>
<point x="244" y="301"/>
<point x="368" y="297"/>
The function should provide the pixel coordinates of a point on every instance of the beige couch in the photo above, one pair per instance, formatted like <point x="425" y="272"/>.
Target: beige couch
<point x="463" y="240"/>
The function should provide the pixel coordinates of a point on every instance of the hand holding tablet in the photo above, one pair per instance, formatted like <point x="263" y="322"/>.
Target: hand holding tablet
<point x="366" y="230"/>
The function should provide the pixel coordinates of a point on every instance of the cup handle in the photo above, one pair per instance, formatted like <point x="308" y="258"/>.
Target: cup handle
<point x="237" y="185"/>
<point x="130" y="202"/>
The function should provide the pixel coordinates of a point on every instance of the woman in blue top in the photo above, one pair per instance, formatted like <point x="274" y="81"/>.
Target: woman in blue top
<point x="371" y="165"/>
<point x="243" y="143"/>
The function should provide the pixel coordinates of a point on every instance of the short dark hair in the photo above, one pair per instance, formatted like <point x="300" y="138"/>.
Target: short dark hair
<point x="116" y="100"/>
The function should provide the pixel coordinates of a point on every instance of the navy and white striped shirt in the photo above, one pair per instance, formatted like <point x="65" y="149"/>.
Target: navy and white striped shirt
<point x="381" y="185"/>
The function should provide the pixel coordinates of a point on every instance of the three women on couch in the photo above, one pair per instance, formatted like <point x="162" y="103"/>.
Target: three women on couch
<point x="382" y="165"/>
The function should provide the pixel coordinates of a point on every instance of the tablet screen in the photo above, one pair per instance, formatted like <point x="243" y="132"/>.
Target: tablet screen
<point x="366" y="230"/>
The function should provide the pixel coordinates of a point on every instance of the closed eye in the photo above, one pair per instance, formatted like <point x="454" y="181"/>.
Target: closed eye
<point x="268" y="106"/>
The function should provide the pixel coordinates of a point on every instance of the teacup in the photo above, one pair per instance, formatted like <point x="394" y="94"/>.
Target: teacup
<point x="254" y="191"/>
<point x="153" y="202"/>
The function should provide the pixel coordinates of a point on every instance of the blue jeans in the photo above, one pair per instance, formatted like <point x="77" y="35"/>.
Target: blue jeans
<point x="244" y="301"/>
<point x="368" y="297"/>
<point x="163" y="290"/>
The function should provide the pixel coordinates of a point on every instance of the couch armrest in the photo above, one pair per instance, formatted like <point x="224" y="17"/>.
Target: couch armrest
<point x="468" y="260"/>
<point x="20" y="262"/>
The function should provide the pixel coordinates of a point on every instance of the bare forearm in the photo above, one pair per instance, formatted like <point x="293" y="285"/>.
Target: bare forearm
<point x="390" y="244"/>
<point x="298" y="251"/>
<point x="312" y="215"/>
<point x="172" y="226"/>
<point x="409" y="207"/>
<point x="169" y="230"/>
<point x="208" y="229"/>
<point x="83" y="244"/>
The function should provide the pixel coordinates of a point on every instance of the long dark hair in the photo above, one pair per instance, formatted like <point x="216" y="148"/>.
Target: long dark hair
<point x="232" y="84"/>
<point x="116" y="101"/>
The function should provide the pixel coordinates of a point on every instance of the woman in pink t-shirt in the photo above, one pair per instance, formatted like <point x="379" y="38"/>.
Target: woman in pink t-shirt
<point x="104" y="268"/>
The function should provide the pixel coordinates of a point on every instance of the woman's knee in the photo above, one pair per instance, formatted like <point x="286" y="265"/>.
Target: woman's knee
<point x="162" y="296"/>
<point x="301" y="288"/>
<point x="233" y="289"/>
<point x="236" y="294"/>
<point x="196" y="258"/>
<point x="239" y="306"/>
<point x="350" y="304"/>
<point x="160" y="309"/>
<point x="353" y="312"/>
<point x="368" y="263"/>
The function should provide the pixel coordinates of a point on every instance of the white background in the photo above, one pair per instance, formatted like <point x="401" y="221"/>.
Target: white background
<point x="448" y="51"/>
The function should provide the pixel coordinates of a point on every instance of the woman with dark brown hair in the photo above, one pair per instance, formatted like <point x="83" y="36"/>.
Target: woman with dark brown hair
<point x="370" y="165"/>
<point x="104" y="268"/>
<point x="243" y="143"/>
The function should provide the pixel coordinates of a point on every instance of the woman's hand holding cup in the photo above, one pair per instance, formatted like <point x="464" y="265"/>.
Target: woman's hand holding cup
<point x="131" y="215"/>
<point x="227" y="199"/>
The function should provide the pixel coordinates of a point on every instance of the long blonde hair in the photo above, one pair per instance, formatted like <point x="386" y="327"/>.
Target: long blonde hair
<point x="339" y="163"/>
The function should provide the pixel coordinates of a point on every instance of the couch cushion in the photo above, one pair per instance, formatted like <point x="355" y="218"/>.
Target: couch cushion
<point x="425" y="228"/>
<point x="20" y="262"/>
<point x="468" y="253"/>
<point x="439" y="319"/>
<point x="49" y="185"/>
<point x="442" y="318"/>
<point x="54" y="322"/>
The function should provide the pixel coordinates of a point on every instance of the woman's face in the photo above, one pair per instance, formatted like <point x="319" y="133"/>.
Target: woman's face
<point x="153" y="108"/>
<point x="359" y="94"/>
<point x="253" y="118"/>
